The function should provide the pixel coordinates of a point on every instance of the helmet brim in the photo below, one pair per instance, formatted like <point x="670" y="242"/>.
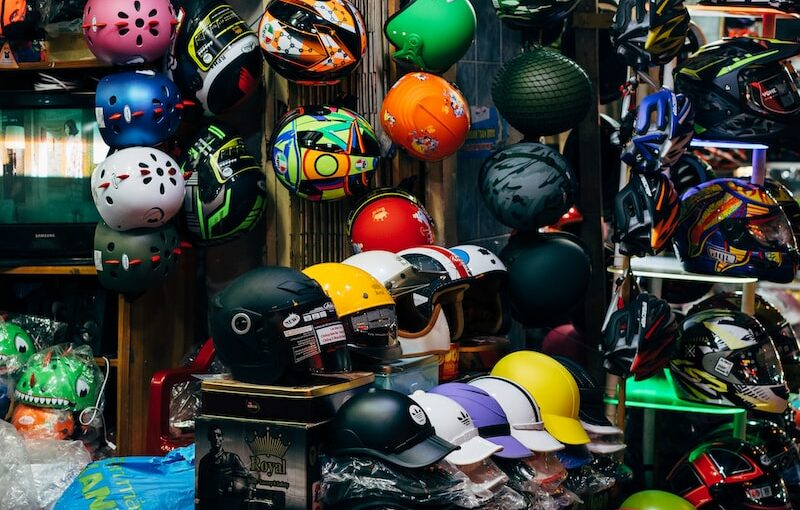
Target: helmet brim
<point x="472" y="451"/>
<point x="567" y="430"/>
<point x="512" y="448"/>
<point x="537" y="440"/>
<point x="423" y="454"/>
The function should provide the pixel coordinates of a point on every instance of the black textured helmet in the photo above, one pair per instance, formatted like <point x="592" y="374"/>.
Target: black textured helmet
<point x="524" y="14"/>
<point x="689" y="171"/>
<point x="542" y="92"/>
<point x="743" y="89"/>
<point x="786" y="200"/>
<point x="226" y="189"/>
<point x="215" y="56"/>
<point x="133" y="261"/>
<point x="649" y="32"/>
<point x="389" y="426"/>
<point x="527" y="185"/>
<point x="269" y="324"/>
<point x="646" y="213"/>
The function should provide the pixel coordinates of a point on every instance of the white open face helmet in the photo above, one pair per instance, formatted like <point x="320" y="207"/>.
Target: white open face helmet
<point x="479" y="260"/>
<point x="482" y="304"/>
<point x="398" y="275"/>
<point x="431" y="337"/>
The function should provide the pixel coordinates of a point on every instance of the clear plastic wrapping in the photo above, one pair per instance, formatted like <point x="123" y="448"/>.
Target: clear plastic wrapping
<point x="16" y="476"/>
<point x="587" y="481"/>
<point x="540" y="481"/>
<point x="184" y="403"/>
<point x="54" y="465"/>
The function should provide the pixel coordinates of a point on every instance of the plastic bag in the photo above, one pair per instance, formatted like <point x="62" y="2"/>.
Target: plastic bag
<point x="184" y="403"/>
<point x="134" y="482"/>
<point x="539" y="479"/>
<point x="587" y="481"/>
<point x="16" y="477"/>
<point x="54" y="465"/>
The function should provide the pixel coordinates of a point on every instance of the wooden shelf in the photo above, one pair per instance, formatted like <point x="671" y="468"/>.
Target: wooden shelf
<point x="113" y="362"/>
<point x="49" y="270"/>
<point x="67" y="64"/>
<point x="735" y="12"/>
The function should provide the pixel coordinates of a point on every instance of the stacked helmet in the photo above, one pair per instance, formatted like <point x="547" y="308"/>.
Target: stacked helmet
<point x="778" y="328"/>
<point x="220" y="75"/>
<point x="324" y="152"/>
<point x="43" y="423"/>
<point x="742" y="89"/>
<point x="728" y="473"/>
<point x="646" y="214"/>
<point x="136" y="260"/>
<point x="482" y="305"/>
<point x="129" y="32"/>
<point x="389" y="219"/>
<point x="662" y="127"/>
<point x="137" y="187"/>
<point x="454" y="424"/>
<point x="137" y="108"/>
<point x="542" y="92"/>
<point x="276" y="324"/>
<point x="527" y="185"/>
<point x="430" y="34"/>
<point x="655" y="500"/>
<point x="786" y="200"/>
<point x="314" y="43"/>
<point x="363" y="305"/>
<point x="779" y="447"/>
<point x="689" y="171"/>
<point x="389" y="426"/>
<point x="553" y="388"/>
<point x="532" y="13"/>
<point x="398" y="275"/>
<point x="16" y="347"/>
<point x="732" y="227"/>
<point x="426" y="115"/>
<point x="649" y="32"/>
<point x="226" y="188"/>
<point x="726" y="357"/>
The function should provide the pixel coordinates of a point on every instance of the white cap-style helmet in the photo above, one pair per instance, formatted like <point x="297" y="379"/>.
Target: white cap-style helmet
<point x="523" y="413"/>
<point x="452" y="423"/>
<point x="137" y="187"/>
<point x="398" y="275"/>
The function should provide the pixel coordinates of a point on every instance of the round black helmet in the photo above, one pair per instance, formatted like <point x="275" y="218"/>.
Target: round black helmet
<point x="766" y="434"/>
<point x="689" y="171"/>
<point x="267" y="323"/>
<point x="787" y="201"/>
<point x="389" y="426"/>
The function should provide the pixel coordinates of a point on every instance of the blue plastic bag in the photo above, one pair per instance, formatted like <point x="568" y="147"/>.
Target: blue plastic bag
<point x="146" y="483"/>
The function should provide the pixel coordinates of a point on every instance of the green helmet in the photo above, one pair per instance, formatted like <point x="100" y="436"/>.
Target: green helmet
<point x="432" y="34"/>
<point x="655" y="500"/>
<point x="16" y="347"/>
<point x="61" y="377"/>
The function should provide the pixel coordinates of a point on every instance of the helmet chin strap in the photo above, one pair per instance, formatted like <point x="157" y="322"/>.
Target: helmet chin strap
<point x="96" y="407"/>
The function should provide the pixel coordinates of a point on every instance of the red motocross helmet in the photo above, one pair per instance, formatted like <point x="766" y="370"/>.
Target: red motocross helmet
<point x="389" y="219"/>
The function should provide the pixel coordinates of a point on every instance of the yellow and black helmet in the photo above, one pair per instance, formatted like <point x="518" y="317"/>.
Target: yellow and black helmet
<point x="649" y="32"/>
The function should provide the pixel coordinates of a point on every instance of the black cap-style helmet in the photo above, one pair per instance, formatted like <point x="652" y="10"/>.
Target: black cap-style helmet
<point x="743" y="89"/>
<point x="389" y="426"/>
<point x="275" y="323"/>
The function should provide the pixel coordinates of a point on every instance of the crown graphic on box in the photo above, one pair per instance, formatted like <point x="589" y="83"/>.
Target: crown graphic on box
<point x="267" y="445"/>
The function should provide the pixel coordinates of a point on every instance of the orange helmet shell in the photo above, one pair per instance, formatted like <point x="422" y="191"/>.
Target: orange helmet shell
<point x="43" y="423"/>
<point x="426" y="115"/>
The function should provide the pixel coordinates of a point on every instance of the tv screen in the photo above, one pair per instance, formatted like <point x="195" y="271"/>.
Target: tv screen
<point x="49" y="145"/>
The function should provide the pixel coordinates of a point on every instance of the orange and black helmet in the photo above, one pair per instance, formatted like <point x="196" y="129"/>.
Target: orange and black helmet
<point x="646" y="215"/>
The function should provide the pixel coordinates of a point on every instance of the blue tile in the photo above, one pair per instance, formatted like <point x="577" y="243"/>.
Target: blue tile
<point x="467" y="80"/>
<point x="486" y="74"/>
<point x="488" y="37"/>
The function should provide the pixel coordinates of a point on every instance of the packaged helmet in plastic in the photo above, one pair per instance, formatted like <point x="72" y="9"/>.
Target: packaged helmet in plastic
<point x="324" y="152"/>
<point x="732" y="227"/>
<point x="16" y="347"/>
<point x="646" y="213"/>
<point x="524" y="14"/>
<point x="128" y="31"/>
<point x="389" y="219"/>
<point x="226" y="190"/>
<point x="430" y="34"/>
<point x="275" y="324"/>
<point x="312" y="43"/>
<point x="137" y="108"/>
<point x="743" y="89"/>
<point x="33" y="422"/>
<point x="483" y="300"/>
<point x="787" y="201"/>
<point x="649" y="32"/>
<point x="137" y="187"/>
<point x="220" y="75"/>
<point x="527" y="185"/>
<point x="689" y="171"/>
<point x="726" y="357"/>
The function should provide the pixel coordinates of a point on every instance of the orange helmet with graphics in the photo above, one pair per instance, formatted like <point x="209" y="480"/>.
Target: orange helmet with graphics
<point x="426" y="115"/>
<point x="311" y="41"/>
<point x="389" y="219"/>
<point x="12" y="11"/>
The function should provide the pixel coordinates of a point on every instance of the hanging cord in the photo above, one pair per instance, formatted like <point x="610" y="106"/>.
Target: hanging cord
<point x="46" y="81"/>
<point x="96" y="408"/>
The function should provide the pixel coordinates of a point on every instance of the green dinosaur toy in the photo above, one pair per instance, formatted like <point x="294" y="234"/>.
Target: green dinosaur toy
<point x="16" y="347"/>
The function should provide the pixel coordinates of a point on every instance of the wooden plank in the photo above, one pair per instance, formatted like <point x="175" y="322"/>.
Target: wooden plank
<point x="123" y="375"/>
<point x="49" y="270"/>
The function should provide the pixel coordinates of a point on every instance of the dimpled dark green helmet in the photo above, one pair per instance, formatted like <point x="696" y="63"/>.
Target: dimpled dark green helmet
<point x="532" y="13"/>
<point x="432" y="34"/>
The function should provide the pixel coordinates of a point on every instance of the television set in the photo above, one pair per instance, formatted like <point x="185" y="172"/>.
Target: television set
<point x="49" y="145"/>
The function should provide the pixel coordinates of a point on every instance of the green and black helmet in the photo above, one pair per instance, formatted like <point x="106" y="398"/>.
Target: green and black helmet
<point x="524" y="14"/>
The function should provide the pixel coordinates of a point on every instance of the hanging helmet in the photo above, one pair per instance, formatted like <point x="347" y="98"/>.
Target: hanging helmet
<point x="541" y="92"/>
<point x="16" y="347"/>
<point x="553" y="388"/>
<point x="488" y="417"/>
<point x="220" y="74"/>
<point x="482" y="304"/>
<point x="649" y="32"/>
<point x="548" y="275"/>
<point x="689" y="171"/>
<point x="431" y="34"/>
<point x="137" y="187"/>
<point x="324" y="152"/>
<point x="778" y="329"/>
<point x="726" y="357"/>
<point x="742" y="89"/>
<point x="389" y="426"/>
<point x="312" y="43"/>
<point x="226" y="188"/>
<point x="137" y="108"/>
<point x="135" y="260"/>
<point x="646" y="213"/>
<point x="779" y="448"/>
<point x="426" y="115"/>
<point x="662" y="127"/>
<point x="454" y="425"/>
<point x="592" y="413"/>
<point x="732" y="227"/>
<point x="43" y="423"/>
<point x="522" y="411"/>
<point x="363" y="305"/>
<point x="638" y="339"/>
<point x="527" y="185"/>
<point x="275" y="324"/>
<point x="655" y="500"/>
<point x="128" y="31"/>
<point x="389" y="219"/>
<point x="786" y="200"/>
<point x="728" y="473"/>
<point x="524" y="14"/>
<point x="398" y="275"/>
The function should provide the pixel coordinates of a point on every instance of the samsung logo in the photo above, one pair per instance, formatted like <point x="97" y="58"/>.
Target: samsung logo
<point x="44" y="235"/>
